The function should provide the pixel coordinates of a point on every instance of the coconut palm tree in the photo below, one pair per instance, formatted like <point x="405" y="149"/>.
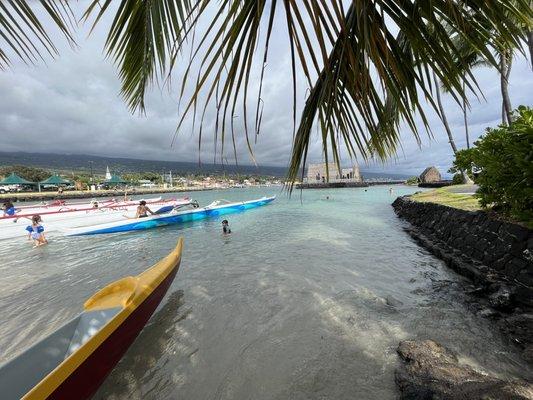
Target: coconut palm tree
<point x="506" y="60"/>
<point x="346" y="51"/>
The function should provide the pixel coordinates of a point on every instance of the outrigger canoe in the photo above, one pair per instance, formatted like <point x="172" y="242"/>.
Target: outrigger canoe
<point x="58" y="221"/>
<point x="60" y="204"/>
<point x="73" y="361"/>
<point x="175" y="216"/>
<point x="70" y="211"/>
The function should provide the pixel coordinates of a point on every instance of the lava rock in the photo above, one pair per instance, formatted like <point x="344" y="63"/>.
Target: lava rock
<point x="488" y="313"/>
<point x="431" y="371"/>
<point x="502" y="299"/>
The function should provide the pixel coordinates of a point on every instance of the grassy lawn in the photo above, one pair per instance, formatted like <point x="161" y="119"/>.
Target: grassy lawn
<point x="445" y="197"/>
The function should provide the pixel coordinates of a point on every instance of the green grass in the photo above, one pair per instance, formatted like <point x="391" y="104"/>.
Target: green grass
<point x="445" y="197"/>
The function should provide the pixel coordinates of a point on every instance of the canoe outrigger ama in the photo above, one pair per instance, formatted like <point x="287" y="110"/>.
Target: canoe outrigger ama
<point x="72" y="362"/>
<point x="175" y="216"/>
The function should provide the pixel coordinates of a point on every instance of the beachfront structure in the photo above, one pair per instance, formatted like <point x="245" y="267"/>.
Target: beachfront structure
<point x="318" y="173"/>
<point x="145" y="183"/>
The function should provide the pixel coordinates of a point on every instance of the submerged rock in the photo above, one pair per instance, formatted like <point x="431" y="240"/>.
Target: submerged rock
<point x="392" y="302"/>
<point x="432" y="371"/>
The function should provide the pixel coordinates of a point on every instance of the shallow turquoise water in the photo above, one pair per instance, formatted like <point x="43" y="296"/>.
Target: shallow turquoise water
<point x="307" y="299"/>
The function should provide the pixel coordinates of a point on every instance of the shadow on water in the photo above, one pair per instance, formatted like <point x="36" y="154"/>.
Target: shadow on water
<point x="138" y="374"/>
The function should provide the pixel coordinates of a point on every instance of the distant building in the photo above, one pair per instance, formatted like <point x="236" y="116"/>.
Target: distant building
<point x="146" y="183"/>
<point x="107" y="173"/>
<point x="318" y="173"/>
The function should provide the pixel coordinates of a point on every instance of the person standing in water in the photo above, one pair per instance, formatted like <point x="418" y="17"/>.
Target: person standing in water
<point x="36" y="231"/>
<point x="143" y="210"/>
<point x="225" y="227"/>
<point x="8" y="208"/>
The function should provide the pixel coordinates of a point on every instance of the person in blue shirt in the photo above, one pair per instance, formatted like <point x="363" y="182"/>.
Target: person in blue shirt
<point x="8" y="208"/>
<point x="36" y="231"/>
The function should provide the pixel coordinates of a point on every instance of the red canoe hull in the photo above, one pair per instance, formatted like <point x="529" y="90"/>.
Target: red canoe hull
<point x="84" y="382"/>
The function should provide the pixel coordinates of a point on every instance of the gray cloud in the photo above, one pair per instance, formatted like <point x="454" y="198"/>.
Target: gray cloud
<point x="71" y="104"/>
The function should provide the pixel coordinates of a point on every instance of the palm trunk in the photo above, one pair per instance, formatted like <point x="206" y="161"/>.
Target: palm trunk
<point x="505" y="72"/>
<point x="465" y="117"/>
<point x="466" y="179"/>
<point x="443" y="116"/>
<point x="530" y="44"/>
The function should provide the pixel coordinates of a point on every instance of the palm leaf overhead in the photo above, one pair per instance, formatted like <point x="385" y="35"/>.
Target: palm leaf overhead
<point x="23" y="34"/>
<point x="349" y="53"/>
<point x="142" y="36"/>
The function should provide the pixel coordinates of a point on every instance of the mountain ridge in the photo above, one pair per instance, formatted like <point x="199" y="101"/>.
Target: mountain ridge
<point x="120" y="165"/>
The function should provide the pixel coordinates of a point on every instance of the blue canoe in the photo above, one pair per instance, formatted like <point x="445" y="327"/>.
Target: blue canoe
<point x="174" y="217"/>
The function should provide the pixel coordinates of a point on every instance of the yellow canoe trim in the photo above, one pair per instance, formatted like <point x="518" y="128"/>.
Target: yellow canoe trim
<point x="128" y="293"/>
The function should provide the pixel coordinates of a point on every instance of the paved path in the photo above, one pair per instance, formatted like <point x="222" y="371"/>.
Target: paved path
<point x="463" y="189"/>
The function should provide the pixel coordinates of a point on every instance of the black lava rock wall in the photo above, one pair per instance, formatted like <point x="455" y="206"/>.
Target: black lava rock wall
<point x="496" y="255"/>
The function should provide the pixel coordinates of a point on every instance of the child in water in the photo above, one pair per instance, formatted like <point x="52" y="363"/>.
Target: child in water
<point x="8" y="208"/>
<point x="36" y="231"/>
<point x="225" y="227"/>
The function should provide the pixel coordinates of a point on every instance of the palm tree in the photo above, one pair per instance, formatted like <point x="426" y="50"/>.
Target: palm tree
<point x="506" y="59"/>
<point x="348" y="57"/>
<point x="444" y="119"/>
<point x="465" y="117"/>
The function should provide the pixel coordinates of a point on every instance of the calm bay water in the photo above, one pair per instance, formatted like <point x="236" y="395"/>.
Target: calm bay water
<point x="305" y="300"/>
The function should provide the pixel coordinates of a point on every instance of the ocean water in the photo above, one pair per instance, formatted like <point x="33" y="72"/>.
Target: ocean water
<point x="306" y="299"/>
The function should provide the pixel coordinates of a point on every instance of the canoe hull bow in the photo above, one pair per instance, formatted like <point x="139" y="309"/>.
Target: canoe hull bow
<point x="84" y="382"/>
<point x="73" y="361"/>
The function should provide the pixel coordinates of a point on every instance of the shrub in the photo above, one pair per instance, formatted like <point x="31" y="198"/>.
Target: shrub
<point x="412" y="180"/>
<point x="29" y="173"/>
<point x="458" y="179"/>
<point x="502" y="161"/>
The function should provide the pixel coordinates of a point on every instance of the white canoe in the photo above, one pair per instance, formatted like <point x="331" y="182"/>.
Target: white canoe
<point x="14" y="227"/>
<point x="60" y="205"/>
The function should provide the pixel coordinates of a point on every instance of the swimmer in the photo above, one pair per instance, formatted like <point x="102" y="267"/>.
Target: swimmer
<point x="225" y="227"/>
<point x="8" y="208"/>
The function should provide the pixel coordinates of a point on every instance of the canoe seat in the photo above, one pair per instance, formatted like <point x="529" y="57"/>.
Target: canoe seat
<point x="116" y="294"/>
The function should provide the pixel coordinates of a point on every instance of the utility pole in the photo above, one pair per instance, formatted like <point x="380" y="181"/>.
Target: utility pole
<point x="91" y="164"/>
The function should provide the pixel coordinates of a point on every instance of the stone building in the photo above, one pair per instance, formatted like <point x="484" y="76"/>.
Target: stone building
<point x="317" y="173"/>
<point x="430" y="174"/>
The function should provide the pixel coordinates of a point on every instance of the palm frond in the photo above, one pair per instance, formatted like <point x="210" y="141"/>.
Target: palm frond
<point x="363" y="80"/>
<point x="353" y="63"/>
<point x="23" y="34"/>
<point x="142" y="36"/>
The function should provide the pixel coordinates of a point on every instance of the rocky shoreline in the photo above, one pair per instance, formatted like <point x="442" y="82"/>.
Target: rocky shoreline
<point x="497" y="257"/>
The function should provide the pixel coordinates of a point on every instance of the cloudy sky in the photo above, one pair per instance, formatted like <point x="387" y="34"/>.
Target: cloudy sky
<point x="71" y="104"/>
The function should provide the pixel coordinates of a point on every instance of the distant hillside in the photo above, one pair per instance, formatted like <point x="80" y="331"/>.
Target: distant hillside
<point x="83" y="162"/>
